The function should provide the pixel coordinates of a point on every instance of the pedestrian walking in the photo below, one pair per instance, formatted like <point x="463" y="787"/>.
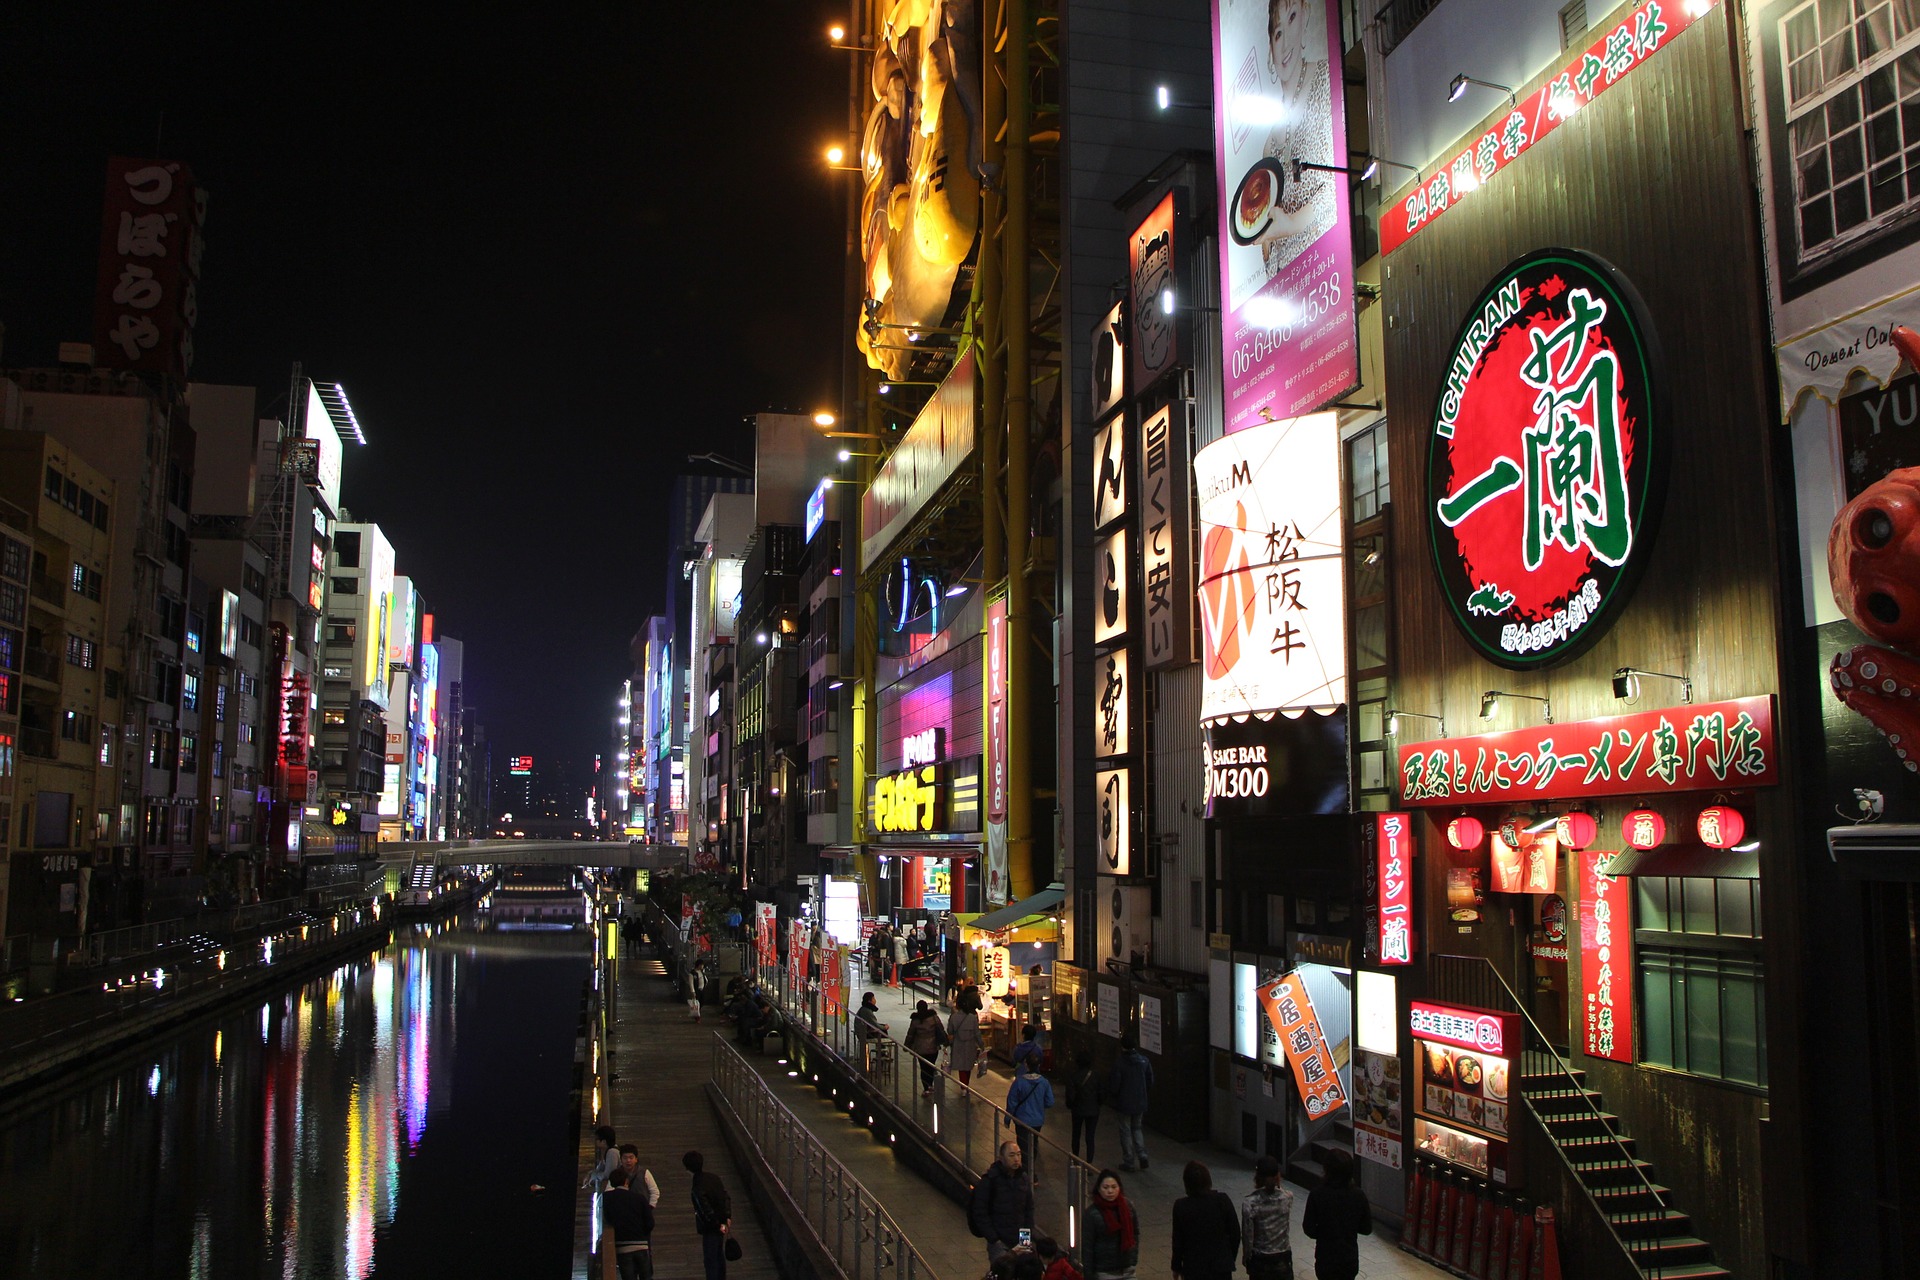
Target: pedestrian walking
<point x="1028" y="1098"/>
<point x="1337" y="1216"/>
<point x="626" y="1231"/>
<point x="696" y="987"/>
<point x="964" y="1044"/>
<point x="1002" y="1203"/>
<point x="1112" y="1251"/>
<point x="1266" y="1225"/>
<point x="712" y="1214"/>
<point x="639" y="1179"/>
<point x="925" y="1038"/>
<point x="1129" y="1085"/>
<point x="1083" y="1101"/>
<point x="1206" y="1228"/>
<point x="879" y="949"/>
<point x="1029" y="1047"/>
<point x="606" y="1158"/>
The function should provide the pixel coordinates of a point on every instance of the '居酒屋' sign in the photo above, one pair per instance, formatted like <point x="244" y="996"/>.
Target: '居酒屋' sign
<point x="1644" y="31"/>
<point x="1291" y="1012"/>
<point x="1711" y="745"/>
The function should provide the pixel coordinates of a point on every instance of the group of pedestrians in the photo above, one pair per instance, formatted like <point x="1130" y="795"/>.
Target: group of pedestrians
<point x="629" y="1197"/>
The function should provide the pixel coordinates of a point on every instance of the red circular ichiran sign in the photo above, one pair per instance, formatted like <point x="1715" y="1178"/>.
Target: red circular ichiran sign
<point x="1546" y="462"/>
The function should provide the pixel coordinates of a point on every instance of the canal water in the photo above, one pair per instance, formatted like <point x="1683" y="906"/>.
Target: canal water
<point x="388" y="1119"/>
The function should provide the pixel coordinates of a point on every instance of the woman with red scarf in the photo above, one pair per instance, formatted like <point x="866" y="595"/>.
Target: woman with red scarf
<point x="1113" y="1231"/>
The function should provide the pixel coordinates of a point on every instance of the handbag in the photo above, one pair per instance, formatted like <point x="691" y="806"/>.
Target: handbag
<point x="733" y="1249"/>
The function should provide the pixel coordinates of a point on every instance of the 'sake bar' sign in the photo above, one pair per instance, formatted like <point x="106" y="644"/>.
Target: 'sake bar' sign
<point x="1707" y="746"/>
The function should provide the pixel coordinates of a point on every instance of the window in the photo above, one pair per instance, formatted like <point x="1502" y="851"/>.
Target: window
<point x="333" y="715"/>
<point x="1367" y="472"/>
<point x="13" y="603"/>
<point x="346" y="549"/>
<point x="219" y="758"/>
<point x="190" y="691"/>
<point x="76" y="726"/>
<point x="160" y="750"/>
<point x="106" y="745"/>
<point x="53" y="483"/>
<point x="156" y="824"/>
<point x="1573" y="24"/>
<point x="189" y="752"/>
<point x="220" y="700"/>
<point x="340" y="633"/>
<point x="100" y="514"/>
<point x="1852" y="86"/>
<point x="248" y="733"/>
<point x="82" y="652"/>
<point x="249" y="632"/>
<point x="346" y="586"/>
<point x="1702" y="983"/>
<point x="86" y="506"/>
<point x="177" y="543"/>
<point x="253" y="580"/>
<point x="249" y="684"/>
<point x="15" y="560"/>
<point x="86" y="581"/>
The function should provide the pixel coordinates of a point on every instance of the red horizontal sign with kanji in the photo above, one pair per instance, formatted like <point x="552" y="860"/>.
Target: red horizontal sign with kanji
<point x="1708" y="746"/>
<point x="1644" y="30"/>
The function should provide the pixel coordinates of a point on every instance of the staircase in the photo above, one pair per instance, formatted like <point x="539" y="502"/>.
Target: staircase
<point x="1307" y="1167"/>
<point x="1658" y="1237"/>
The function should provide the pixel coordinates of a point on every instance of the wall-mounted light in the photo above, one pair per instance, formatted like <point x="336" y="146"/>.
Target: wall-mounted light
<point x="837" y="34"/>
<point x="836" y="159"/>
<point x="1626" y="683"/>
<point x="1393" y="720"/>
<point x="1490" y="703"/>
<point x="1458" y="89"/>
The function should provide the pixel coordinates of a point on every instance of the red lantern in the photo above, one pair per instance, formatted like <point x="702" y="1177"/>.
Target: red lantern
<point x="1465" y="832"/>
<point x="1576" y="830"/>
<point x="1510" y="831"/>
<point x="1721" y="826"/>
<point x="1643" y="829"/>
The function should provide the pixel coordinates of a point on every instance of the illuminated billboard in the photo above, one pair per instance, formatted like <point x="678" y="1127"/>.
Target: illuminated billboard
<point x="400" y="635"/>
<point x="520" y="766"/>
<point x="319" y="428"/>
<point x="1272" y="589"/>
<point x="377" y="620"/>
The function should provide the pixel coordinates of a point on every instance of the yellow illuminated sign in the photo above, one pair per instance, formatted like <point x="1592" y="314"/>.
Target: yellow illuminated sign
<point x="912" y="800"/>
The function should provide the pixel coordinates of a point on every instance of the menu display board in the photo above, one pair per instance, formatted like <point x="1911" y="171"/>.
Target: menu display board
<point x="1463" y="1094"/>
<point x="1378" y="1119"/>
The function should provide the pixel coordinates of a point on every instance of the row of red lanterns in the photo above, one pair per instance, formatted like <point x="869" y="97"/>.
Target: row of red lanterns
<point x="1721" y="826"/>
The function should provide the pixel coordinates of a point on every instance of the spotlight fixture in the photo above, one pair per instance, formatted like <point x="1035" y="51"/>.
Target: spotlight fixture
<point x="1458" y="88"/>
<point x="1626" y="683"/>
<point x="824" y="419"/>
<point x="1490" y="703"/>
<point x="1394" y="714"/>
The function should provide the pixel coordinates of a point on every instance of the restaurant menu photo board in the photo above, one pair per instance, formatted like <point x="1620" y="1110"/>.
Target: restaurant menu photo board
<point x="1546" y="459"/>
<point x="1463" y="1096"/>
<point x="1288" y="337"/>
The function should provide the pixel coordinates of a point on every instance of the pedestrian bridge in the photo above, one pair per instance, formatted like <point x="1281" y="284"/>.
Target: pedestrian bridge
<point x="532" y="853"/>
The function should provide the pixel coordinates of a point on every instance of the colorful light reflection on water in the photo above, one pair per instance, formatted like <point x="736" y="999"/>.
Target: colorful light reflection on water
<point x="339" y="1141"/>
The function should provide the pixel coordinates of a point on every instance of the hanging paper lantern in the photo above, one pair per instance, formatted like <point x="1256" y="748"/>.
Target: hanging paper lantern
<point x="1465" y="832"/>
<point x="1721" y="826"/>
<point x="1643" y="829"/>
<point x="1576" y="830"/>
<point x="1511" y="831"/>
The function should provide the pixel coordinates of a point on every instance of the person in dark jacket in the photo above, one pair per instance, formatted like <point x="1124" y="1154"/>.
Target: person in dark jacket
<point x="1337" y="1216"/>
<point x="1083" y="1100"/>
<point x="1129" y="1085"/>
<point x="1002" y="1203"/>
<point x="1112" y="1249"/>
<point x="712" y="1214"/>
<point x="1206" y="1228"/>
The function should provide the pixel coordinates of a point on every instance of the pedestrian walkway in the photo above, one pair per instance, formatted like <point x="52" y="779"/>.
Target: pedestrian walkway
<point x="926" y="1213"/>
<point x="661" y="1063"/>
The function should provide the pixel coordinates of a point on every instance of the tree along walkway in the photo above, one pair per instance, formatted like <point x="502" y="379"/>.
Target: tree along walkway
<point x="658" y="1101"/>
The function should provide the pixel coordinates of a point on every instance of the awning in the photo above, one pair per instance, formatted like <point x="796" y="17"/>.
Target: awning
<point x="1004" y="918"/>
<point x="1876" y="851"/>
<point x="1688" y="860"/>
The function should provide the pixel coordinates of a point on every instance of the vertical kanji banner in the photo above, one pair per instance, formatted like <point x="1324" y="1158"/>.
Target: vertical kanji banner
<point x="1393" y="847"/>
<point x="1606" y="959"/>
<point x="833" y="981"/>
<point x="1290" y="1010"/>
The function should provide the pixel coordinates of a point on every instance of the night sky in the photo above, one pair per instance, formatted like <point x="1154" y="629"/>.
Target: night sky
<point x="548" y="257"/>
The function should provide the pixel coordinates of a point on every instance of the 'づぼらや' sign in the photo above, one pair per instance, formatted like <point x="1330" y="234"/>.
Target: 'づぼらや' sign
<point x="1546" y="462"/>
<point x="1606" y="959"/>
<point x="1709" y="745"/>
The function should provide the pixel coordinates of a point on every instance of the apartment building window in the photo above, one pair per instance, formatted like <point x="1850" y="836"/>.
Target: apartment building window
<point x="346" y="586"/>
<point x="15" y="559"/>
<point x="253" y="581"/>
<point x="178" y="544"/>
<point x="1368" y="479"/>
<point x="249" y="632"/>
<point x="182" y="825"/>
<point x="76" y="726"/>
<point x="13" y="603"/>
<point x="190" y="691"/>
<point x="340" y="632"/>
<point x="166" y="683"/>
<point x="333" y="715"/>
<point x="8" y="747"/>
<point x="248" y="733"/>
<point x="1702" y="981"/>
<point x="155" y="830"/>
<point x="189" y="752"/>
<point x="160" y="750"/>
<point x="82" y="653"/>
<point x="249" y="684"/>
<point x="86" y="582"/>
<point x="220" y="700"/>
<point x="1852" y="89"/>
<point x="219" y="758"/>
<point x="106" y="746"/>
<point x="53" y="483"/>
<point x="346" y="548"/>
<point x="100" y="513"/>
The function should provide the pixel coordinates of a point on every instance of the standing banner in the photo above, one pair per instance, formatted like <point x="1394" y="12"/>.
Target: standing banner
<point x="1288" y="338"/>
<point x="764" y="939"/>
<point x="1606" y="959"/>
<point x="994" y="880"/>
<point x="1290" y="1010"/>
<point x="797" y="935"/>
<point x="833" y="981"/>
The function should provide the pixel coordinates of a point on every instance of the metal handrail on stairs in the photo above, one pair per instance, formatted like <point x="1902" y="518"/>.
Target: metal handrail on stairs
<point x="1539" y="1059"/>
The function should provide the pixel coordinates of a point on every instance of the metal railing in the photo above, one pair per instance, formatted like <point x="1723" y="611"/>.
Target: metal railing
<point x="958" y="1118"/>
<point x="864" y="1239"/>
<point x="1634" y="1212"/>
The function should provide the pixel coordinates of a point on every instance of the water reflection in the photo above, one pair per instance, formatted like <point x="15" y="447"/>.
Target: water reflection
<point x="379" y="1120"/>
